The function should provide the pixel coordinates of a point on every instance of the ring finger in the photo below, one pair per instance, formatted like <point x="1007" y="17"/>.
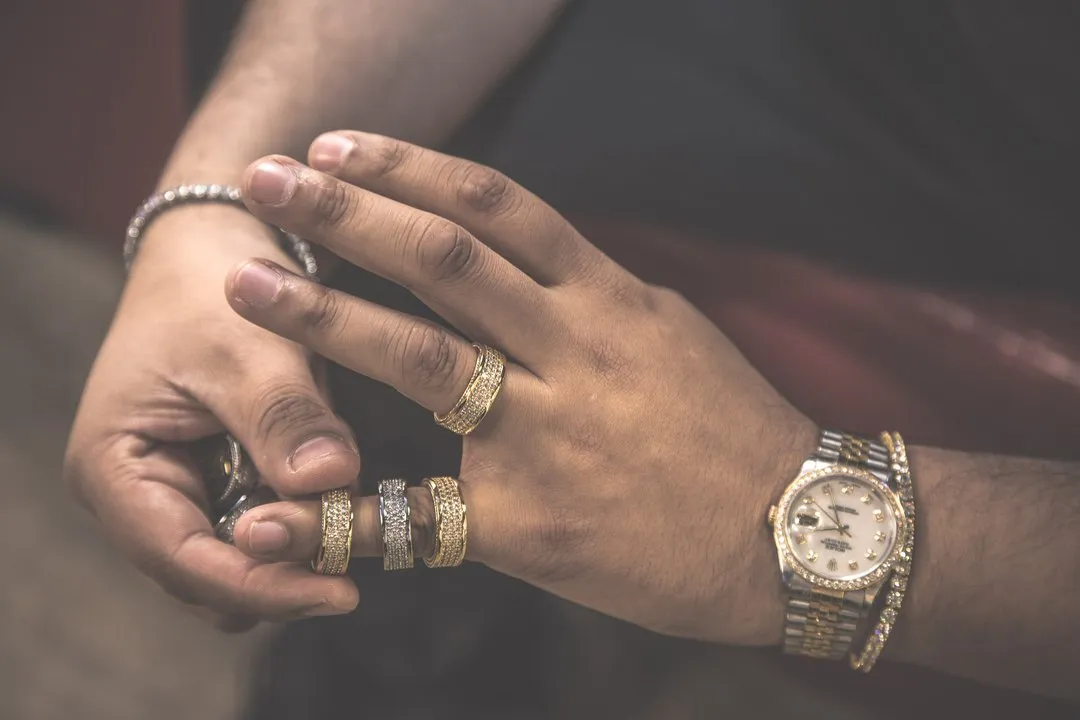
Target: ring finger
<point x="423" y="361"/>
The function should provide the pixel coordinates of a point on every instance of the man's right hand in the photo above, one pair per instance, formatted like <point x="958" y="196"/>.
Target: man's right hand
<point x="178" y="365"/>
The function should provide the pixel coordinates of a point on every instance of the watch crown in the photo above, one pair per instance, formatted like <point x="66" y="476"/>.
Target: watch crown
<point x="771" y="516"/>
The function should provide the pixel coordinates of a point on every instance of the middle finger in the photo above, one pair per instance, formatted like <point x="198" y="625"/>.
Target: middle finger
<point x="466" y="281"/>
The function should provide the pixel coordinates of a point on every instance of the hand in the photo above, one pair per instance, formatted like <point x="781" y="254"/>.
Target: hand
<point x="628" y="462"/>
<point x="178" y="365"/>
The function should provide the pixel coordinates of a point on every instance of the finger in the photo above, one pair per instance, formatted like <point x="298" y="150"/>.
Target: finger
<point x="172" y="541"/>
<point x="292" y="531"/>
<point x="474" y="288"/>
<point x="498" y="211"/>
<point x="274" y="408"/>
<point x="423" y="361"/>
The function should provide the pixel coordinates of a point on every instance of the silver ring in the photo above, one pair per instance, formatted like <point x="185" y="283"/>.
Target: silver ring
<point x="227" y="471"/>
<point x="225" y="527"/>
<point x="395" y="523"/>
<point x="241" y="474"/>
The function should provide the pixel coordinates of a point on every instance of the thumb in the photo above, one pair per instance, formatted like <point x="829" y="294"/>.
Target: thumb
<point x="276" y="411"/>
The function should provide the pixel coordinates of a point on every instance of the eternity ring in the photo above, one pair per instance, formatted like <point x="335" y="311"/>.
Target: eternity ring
<point x="337" y="522"/>
<point x="451" y="523"/>
<point x="225" y="527"/>
<point x="395" y="524"/>
<point x="479" y="394"/>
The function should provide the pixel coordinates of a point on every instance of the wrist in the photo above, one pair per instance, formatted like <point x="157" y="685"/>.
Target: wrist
<point x="206" y="238"/>
<point x="771" y="469"/>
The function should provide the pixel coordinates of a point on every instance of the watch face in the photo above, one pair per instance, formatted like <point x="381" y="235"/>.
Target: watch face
<point x="840" y="527"/>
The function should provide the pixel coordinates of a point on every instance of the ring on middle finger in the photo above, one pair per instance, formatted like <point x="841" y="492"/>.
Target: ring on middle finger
<point x="479" y="395"/>
<point x="395" y="524"/>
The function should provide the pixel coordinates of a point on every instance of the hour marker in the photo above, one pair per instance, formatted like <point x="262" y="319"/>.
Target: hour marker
<point x="811" y="556"/>
<point x="865" y="499"/>
<point x="827" y="489"/>
<point x="871" y="555"/>
<point x="847" y="488"/>
<point x="832" y="564"/>
<point x="801" y="539"/>
<point x="853" y="565"/>
<point x="880" y="536"/>
<point x="878" y="515"/>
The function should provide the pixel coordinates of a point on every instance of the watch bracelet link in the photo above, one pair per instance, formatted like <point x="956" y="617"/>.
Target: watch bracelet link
<point x="844" y="448"/>
<point x="819" y="622"/>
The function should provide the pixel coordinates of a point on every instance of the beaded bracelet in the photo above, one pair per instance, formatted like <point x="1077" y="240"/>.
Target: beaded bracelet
<point x="897" y="585"/>
<point x="190" y="194"/>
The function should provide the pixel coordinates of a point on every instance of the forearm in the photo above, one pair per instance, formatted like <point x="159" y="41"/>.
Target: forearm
<point x="412" y="68"/>
<point x="995" y="590"/>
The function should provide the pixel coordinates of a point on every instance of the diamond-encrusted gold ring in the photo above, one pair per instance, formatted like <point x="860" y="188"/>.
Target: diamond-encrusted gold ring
<point x="479" y="395"/>
<point x="395" y="523"/>
<point x="451" y="523"/>
<point x="337" y="522"/>
<point x="898" y="582"/>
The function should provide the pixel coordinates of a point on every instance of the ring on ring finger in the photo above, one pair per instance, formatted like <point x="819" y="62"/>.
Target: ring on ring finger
<point x="479" y="395"/>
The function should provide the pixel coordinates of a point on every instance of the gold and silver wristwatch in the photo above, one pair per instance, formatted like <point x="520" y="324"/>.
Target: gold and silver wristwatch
<point x="839" y="529"/>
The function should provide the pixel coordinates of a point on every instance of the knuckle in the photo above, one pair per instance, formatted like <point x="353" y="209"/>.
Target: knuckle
<point x="325" y="311"/>
<point x="658" y="297"/>
<point x="385" y="155"/>
<point x="446" y="253"/>
<point x="487" y="191"/>
<point x="426" y="355"/>
<point x="286" y="408"/>
<point x="334" y="203"/>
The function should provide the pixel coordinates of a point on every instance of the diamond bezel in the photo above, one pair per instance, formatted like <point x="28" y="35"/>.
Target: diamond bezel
<point x="783" y="542"/>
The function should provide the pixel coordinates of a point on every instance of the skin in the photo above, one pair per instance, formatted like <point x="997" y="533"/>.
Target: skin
<point x="178" y="365"/>
<point x="628" y="463"/>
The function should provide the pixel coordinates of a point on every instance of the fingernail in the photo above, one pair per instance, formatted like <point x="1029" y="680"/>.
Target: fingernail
<point x="271" y="183"/>
<point x="322" y="610"/>
<point x="329" y="152"/>
<point x="267" y="537"/>
<point x="316" y="450"/>
<point x="256" y="284"/>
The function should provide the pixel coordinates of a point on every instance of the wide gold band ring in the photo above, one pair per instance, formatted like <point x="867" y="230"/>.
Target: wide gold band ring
<point x="479" y="394"/>
<point x="451" y="523"/>
<point x="337" y="522"/>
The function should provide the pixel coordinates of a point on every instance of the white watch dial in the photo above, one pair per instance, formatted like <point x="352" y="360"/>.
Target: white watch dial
<point x="841" y="527"/>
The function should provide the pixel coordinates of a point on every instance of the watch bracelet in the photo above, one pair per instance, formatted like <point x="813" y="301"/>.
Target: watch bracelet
<point x="159" y="202"/>
<point x="897" y="582"/>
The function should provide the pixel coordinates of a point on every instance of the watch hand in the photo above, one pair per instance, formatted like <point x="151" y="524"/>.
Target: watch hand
<point x="825" y="510"/>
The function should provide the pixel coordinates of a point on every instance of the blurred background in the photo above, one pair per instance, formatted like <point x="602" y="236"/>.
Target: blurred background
<point x="92" y="96"/>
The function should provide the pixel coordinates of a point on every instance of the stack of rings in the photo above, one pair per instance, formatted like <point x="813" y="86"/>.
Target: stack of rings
<point x="451" y="523"/>
<point x="337" y="522"/>
<point x="395" y="524"/>
<point x="479" y="394"/>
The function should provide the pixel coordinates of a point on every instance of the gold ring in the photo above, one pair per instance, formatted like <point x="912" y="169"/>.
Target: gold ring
<point x="451" y="523"/>
<point x="337" y="522"/>
<point x="479" y="394"/>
